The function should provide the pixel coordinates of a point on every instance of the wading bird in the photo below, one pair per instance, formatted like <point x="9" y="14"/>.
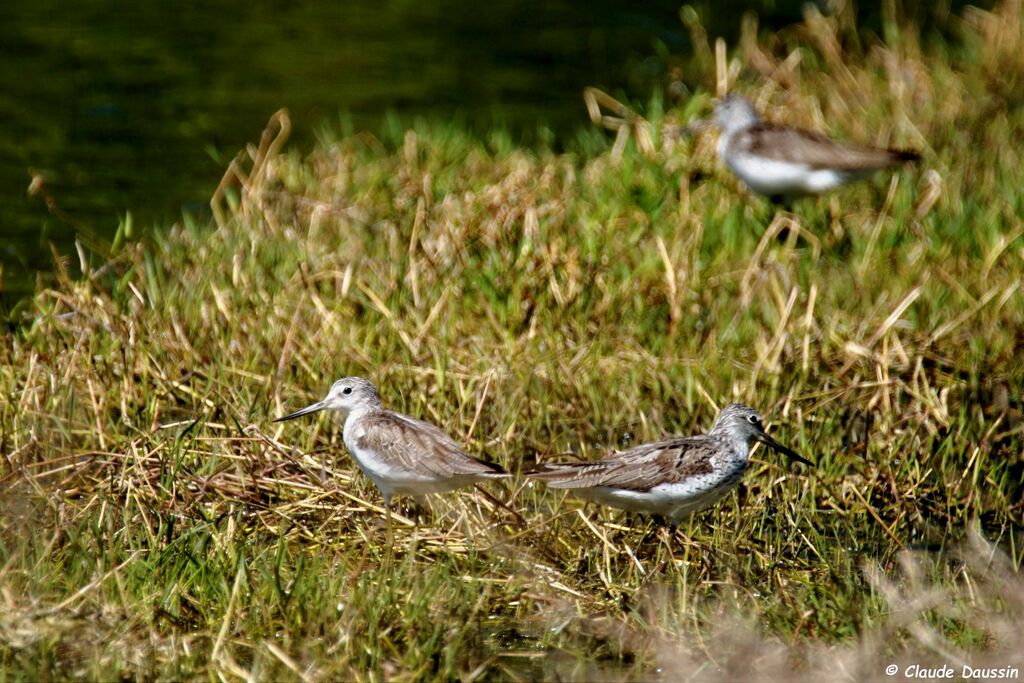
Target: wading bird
<point x="672" y="478"/>
<point x="782" y="162"/>
<point x="402" y="455"/>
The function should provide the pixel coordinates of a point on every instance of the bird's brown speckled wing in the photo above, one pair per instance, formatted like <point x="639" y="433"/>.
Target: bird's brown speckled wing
<point x="637" y="469"/>
<point x="420" y="447"/>
<point x="798" y="146"/>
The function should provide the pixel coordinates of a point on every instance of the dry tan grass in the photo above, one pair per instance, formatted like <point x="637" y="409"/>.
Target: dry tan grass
<point x="156" y="525"/>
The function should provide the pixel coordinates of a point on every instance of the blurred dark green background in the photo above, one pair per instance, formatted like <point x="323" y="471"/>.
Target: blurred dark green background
<point x="138" y="106"/>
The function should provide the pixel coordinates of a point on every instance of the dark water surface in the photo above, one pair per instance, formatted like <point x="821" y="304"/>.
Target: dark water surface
<point x="138" y="106"/>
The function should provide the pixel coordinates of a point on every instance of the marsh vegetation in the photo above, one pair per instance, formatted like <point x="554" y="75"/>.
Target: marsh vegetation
<point x="538" y="304"/>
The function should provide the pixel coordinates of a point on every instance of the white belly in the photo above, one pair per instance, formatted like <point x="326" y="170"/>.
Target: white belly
<point x="770" y="177"/>
<point x="393" y="478"/>
<point x="674" y="501"/>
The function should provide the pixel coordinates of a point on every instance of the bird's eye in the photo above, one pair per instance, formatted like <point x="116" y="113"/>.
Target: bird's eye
<point x="347" y="390"/>
<point x="752" y="419"/>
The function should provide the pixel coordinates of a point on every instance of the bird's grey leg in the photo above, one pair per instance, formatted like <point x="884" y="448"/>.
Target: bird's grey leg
<point x="389" y="534"/>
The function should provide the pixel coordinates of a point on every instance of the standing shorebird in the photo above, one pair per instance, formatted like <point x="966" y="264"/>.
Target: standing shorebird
<point x="672" y="478"/>
<point x="783" y="163"/>
<point x="402" y="455"/>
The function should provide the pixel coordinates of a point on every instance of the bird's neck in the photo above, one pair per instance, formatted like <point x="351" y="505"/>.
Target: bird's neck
<point x="356" y="414"/>
<point x="736" y="444"/>
<point x="726" y="138"/>
<point x="735" y="127"/>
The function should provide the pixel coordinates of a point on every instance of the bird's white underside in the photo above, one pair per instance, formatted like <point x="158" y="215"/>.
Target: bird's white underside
<point x="676" y="500"/>
<point x="390" y="476"/>
<point x="773" y="177"/>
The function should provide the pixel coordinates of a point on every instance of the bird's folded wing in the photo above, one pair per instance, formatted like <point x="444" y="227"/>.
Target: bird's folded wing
<point x="797" y="146"/>
<point x="637" y="469"/>
<point x="420" y="447"/>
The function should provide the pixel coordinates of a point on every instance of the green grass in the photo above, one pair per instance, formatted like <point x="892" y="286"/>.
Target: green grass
<point x="157" y="525"/>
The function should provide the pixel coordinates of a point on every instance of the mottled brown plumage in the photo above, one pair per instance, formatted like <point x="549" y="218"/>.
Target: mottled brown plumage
<point x="784" y="162"/>
<point x="814" y="150"/>
<point x="674" y="477"/>
<point x="419" y="446"/>
<point x="402" y="455"/>
<point x="637" y="469"/>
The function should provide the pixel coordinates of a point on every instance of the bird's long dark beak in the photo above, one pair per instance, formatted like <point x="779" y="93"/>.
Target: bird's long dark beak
<point x="775" y="445"/>
<point x="316" y="407"/>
